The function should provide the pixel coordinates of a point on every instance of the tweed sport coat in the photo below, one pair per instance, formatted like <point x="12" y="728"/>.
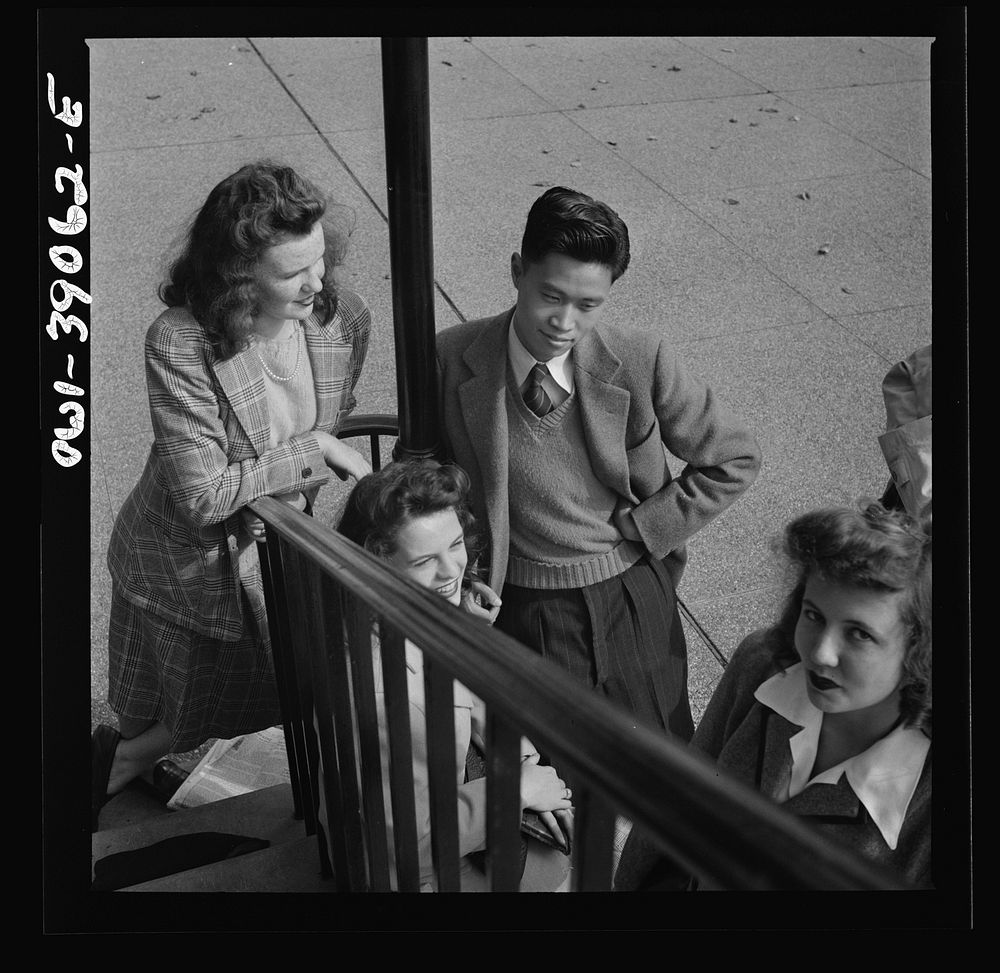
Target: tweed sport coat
<point x="175" y="542"/>
<point x="635" y="400"/>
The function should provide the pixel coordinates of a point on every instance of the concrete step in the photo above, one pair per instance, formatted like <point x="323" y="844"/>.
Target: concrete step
<point x="290" y="864"/>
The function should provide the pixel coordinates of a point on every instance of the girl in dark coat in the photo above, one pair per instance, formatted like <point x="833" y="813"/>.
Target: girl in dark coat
<point x="829" y="712"/>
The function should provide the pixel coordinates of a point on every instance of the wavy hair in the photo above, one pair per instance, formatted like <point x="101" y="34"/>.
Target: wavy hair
<point x="215" y="274"/>
<point x="565" y="221"/>
<point x="384" y="502"/>
<point x="874" y="548"/>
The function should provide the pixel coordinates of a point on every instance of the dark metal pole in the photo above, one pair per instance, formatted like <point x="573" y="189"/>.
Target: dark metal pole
<point x="408" y="173"/>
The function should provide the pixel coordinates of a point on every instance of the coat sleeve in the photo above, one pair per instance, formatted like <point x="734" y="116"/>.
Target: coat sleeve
<point x="643" y="865"/>
<point x="445" y="443"/>
<point x="721" y="455"/>
<point x="908" y="440"/>
<point x="191" y="439"/>
<point x="751" y="663"/>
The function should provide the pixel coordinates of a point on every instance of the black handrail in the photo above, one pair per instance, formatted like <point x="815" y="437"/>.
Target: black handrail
<point x="724" y="832"/>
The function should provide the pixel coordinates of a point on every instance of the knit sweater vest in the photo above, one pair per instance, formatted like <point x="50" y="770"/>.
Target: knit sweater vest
<point x="561" y="530"/>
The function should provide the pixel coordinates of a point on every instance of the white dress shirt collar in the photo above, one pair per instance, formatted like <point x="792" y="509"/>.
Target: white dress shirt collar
<point x="884" y="777"/>
<point x="522" y="362"/>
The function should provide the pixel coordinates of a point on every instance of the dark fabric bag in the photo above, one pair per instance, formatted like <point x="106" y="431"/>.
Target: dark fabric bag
<point x="170" y="856"/>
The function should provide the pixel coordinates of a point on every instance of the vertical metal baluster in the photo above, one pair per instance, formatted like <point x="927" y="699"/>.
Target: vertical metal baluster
<point x="276" y="607"/>
<point x="503" y="809"/>
<point x="397" y="712"/>
<point x="359" y="629"/>
<point x="439" y="689"/>
<point x="297" y="569"/>
<point x="594" y="829"/>
<point x="335" y="730"/>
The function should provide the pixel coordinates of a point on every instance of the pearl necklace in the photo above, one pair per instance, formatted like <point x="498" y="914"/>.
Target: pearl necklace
<point x="298" y="360"/>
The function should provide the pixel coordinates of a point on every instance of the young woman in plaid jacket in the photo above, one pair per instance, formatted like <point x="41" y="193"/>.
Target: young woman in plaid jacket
<point x="249" y="371"/>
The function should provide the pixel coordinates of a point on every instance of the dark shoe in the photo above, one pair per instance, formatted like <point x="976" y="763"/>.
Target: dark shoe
<point x="103" y="745"/>
<point x="167" y="777"/>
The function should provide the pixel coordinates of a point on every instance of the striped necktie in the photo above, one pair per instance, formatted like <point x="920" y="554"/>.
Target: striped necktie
<point x="535" y="397"/>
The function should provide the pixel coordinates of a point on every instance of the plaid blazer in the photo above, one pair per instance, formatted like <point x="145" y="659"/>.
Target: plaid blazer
<point x="174" y="547"/>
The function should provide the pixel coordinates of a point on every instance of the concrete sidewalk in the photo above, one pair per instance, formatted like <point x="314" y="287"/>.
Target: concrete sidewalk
<point x="734" y="161"/>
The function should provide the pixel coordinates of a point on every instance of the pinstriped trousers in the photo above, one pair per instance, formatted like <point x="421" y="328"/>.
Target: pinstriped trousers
<point x="622" y="637"/>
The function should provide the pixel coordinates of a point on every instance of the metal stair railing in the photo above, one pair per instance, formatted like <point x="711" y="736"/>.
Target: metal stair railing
<point x="326" y="596"/>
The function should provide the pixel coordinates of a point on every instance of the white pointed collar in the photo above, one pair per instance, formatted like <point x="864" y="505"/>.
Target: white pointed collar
<point x="522" y="362"/>
<point x="884" y="777"/>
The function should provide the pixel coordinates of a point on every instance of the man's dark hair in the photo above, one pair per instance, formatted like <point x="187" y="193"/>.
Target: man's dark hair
<point x="565" y="221"/>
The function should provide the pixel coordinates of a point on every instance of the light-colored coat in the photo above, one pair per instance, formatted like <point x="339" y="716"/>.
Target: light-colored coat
<point x="545" y="869"/>
<point x="470" y="723"/>
<point x="635" y="398"/>
<point x="174" y="547"/>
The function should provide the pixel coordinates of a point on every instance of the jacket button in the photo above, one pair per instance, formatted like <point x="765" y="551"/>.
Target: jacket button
<point x="307" y="472"/>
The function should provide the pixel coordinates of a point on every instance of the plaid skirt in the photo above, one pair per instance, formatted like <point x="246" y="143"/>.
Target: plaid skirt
<point x="622" y="637"/>
<point x="198" y="687"/>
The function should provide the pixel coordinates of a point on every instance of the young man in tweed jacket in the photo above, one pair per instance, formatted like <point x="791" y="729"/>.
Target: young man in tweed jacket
<point x="586" y="526"/>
